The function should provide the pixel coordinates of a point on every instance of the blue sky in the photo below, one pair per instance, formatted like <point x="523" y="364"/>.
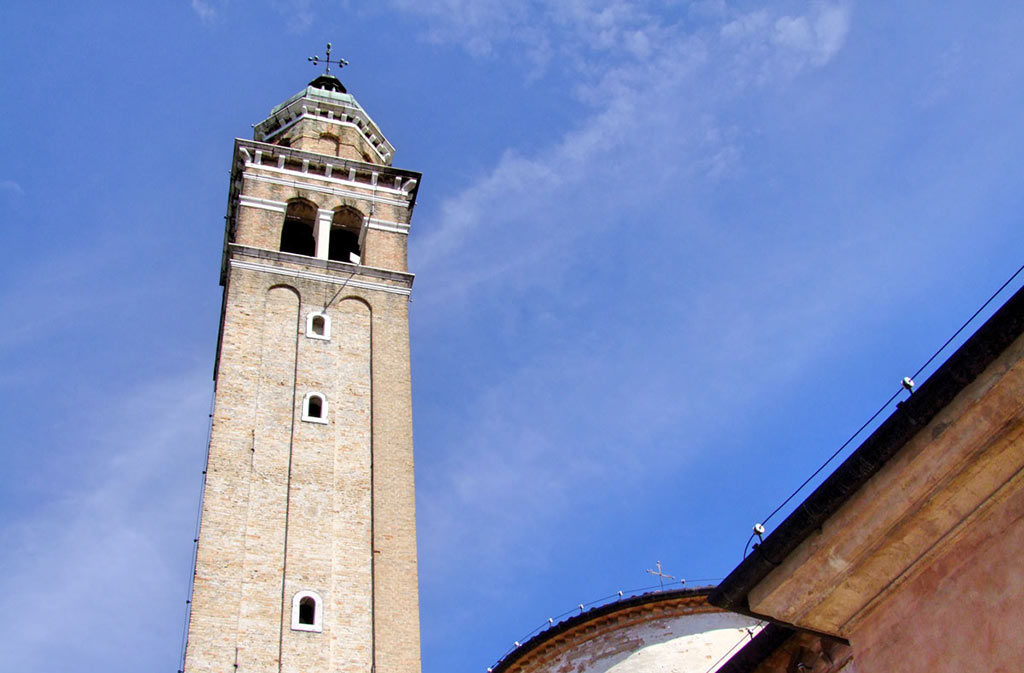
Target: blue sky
<point x="668" y="254"/>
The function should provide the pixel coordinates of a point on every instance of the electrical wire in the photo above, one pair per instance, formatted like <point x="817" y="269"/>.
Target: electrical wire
<point x="887" y="402"/>
<point x="832" y="457"/>
<point x="969" y="320"/>
<point x="195" y="537"/>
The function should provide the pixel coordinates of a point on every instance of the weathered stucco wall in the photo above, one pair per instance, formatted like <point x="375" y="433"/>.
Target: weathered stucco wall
<point x="684" y="644"/>
<point x="964" y="612"/>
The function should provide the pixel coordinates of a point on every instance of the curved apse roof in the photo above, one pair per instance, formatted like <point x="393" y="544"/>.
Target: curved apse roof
<point x="633" y="613"/>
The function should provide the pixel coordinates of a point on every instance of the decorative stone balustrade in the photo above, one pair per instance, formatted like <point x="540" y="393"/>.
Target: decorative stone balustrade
<point x="385" y="178"/>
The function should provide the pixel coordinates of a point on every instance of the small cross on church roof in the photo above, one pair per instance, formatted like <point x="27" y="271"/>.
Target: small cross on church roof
<point x="662" y="576"/>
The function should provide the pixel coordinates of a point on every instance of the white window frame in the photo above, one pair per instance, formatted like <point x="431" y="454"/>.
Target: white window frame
<point x="326" y="336"/>
<point x="318" y="612"/>
<point x="322" y="418"/>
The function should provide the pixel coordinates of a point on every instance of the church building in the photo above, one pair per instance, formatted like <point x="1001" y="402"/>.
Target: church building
<point x="306" y="557"/>
<point x="905" y="558"/>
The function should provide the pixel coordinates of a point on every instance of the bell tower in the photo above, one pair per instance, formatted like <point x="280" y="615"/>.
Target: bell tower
<point x="306" y="559"/>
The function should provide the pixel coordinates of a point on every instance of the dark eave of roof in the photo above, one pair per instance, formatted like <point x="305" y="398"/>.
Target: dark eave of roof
<point x="909" y="418"/>
<point x="594" y="613"/>
<point x="763" y="645"/>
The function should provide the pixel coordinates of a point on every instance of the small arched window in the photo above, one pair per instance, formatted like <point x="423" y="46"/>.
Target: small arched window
<point x="329" y="144"/>
<point x="297" y="230"/>
<point x="314" y="408"/>
<point x="344" y="242"/>
<point x="318" y="326"/>
<point x="307" y="611"/>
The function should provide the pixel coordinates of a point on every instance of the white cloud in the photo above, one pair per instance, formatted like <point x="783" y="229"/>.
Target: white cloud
<point x="299" y="14"/>
<point x="818" y="36"/>
<point x="656" y="96"/>
<point x="66" y="284"/>
<point x="205" y="10"/>
<point x="746" y="25"/>
<point x="768" y="49"/>
<point x="663" y="103"/>
<point x="479" y="25"/>
<point x="10" y="187"/>
<point x="543" y="30"/>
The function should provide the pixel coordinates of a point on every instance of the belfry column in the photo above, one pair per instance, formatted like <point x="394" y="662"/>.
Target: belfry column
<point x="323" y="233"/>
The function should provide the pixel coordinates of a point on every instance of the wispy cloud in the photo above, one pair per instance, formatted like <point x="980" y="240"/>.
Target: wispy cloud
<point x="644" y="109"/>
<point x="104" y="551"/>
<point x="818" y="36"/>
<point x="50" y="295"/>
<point x="299" y="15"/>
<point x="10" y="187"/>
<point x="767" y="47"/>
<point x="656" y="131"/>
<point x="205" y="10"/>
<point x="540" y="30"/>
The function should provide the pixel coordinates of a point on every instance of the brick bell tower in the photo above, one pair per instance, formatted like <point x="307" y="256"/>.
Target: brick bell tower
<point x="306" y="558"/>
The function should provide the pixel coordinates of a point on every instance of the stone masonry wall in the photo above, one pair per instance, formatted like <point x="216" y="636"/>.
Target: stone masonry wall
<point x="288" y="503"/>
<point x="292" y="505"/>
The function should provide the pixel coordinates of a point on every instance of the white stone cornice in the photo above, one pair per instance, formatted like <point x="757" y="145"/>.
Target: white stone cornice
<point x="263" y="204"/>
<point x="323" y="278"/>
<point x="303" y="181"/>
<point x="385" y="225"/>
<point x="322" y="214"/>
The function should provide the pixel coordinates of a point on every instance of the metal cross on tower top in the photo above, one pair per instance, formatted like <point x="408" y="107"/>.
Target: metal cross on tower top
<point x="315" y="60"/>
<point x="661" y="576"/>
